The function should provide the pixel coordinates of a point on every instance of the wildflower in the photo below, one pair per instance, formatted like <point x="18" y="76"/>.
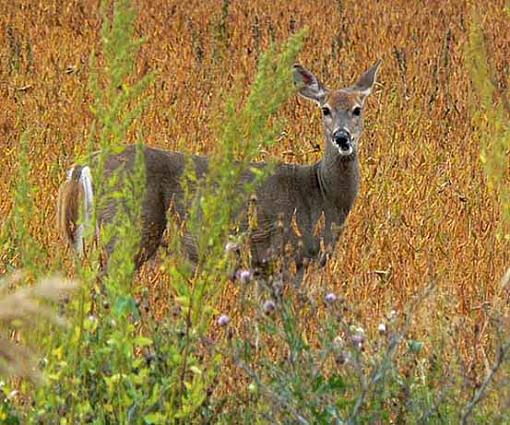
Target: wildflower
<point x="269" y="306"/>
<point x="382" y="328"/>
<point x="223" y="320"/>
<point x="330" y="298"/>
<point x="358" y="340"/>
<point x="245" y="276"/>
<point x="357" y="337"/>
<point x="12" y="394"/>
<point x="392" y="315"/>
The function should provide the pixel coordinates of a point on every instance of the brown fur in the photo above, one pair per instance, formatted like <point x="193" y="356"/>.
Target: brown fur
<point x="297" y="196"/>
<point x="68" y="207"/>
<point x="341" y="99"/>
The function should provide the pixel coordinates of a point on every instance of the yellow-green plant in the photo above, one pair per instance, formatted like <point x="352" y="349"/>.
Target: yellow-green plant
<point x="215" y="202"/>
<point x="16" y="236"/>
<point x="94" y="370"/>
<point x="492" y="119"/>
<point x="105" y="368"/>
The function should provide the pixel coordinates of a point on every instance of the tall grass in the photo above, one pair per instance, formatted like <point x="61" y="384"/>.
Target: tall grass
<point x="106" y="368"/>
<point x="94" y="368"/>
<point x="16" y="237"/>
<point x="309" y="357"/>
<point x="215" y="202"/>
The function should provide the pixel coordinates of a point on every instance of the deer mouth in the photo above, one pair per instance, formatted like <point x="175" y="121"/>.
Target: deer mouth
<point x="344" y="147"/>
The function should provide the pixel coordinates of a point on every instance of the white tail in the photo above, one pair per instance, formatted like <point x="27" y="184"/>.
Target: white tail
<point x="76" y="201"/>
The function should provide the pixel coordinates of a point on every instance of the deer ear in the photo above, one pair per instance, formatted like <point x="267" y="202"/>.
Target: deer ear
<point x="366" y="81"/>
<point x="308" y="84"/>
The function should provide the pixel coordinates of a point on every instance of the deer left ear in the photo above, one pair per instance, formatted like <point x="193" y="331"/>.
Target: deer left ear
<point x="366" y="81"/>
<point x="308" y="84"/>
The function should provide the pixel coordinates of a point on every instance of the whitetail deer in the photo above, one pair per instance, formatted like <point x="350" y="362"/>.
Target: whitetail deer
<point x="293" y="194"/>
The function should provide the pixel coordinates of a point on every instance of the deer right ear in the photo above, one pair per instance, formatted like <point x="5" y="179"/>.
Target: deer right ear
<point x="308" y="84"/>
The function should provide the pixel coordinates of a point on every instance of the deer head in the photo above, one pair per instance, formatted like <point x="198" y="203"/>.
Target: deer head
<point x="342" y="110"/>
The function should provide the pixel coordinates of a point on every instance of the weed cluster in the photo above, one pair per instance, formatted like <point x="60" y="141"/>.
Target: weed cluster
<point x="308" y="356"/>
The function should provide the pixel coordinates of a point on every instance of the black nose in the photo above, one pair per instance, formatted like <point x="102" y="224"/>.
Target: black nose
<point x="342" y="138"/>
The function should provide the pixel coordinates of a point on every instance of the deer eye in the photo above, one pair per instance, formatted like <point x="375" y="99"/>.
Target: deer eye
<point x="326" y="111"/>
<point x="356" y="111"/>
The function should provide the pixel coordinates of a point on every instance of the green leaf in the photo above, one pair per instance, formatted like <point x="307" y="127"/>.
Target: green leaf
<point x="142" y="341"/>
<point x="195" y="370"/>
<point x="124" y="305"/>
<point x="154" y="418"/>
<point x="415" y="346"/>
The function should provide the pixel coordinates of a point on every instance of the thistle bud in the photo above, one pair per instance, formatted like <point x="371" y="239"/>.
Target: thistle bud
<point x="358" y="340"/>
<point x="343" y="358"/>
<point x="330" y="298"/>
<point x="245" y="276"/>
<point x="223" y="320"/>
<point x="269" y="306"/>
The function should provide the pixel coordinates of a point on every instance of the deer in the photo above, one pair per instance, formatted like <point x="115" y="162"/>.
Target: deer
<point x="292" y="195"/>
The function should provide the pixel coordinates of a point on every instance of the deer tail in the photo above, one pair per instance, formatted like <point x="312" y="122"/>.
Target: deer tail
<point x="75" y="207"/>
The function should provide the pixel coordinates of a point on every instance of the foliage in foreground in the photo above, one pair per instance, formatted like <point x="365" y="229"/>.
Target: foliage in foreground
<point x="115" y="365"/>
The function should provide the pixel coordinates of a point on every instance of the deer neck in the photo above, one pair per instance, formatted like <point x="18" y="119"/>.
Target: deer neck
<point x="338" y="178"/>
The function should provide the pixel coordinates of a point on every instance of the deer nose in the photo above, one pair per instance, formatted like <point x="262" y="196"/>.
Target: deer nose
<point x="342" y="138"/>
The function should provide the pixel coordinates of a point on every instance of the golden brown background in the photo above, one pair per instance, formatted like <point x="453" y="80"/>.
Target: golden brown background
<point x="424" y="212"/>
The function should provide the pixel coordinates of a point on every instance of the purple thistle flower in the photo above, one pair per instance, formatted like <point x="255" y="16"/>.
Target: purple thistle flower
<point x="223" y="320"/>
<point x="330" y="298"/>
<point x="269" y="306"/>
<point x="358" y="340"/>
<point x="245" y="276"/>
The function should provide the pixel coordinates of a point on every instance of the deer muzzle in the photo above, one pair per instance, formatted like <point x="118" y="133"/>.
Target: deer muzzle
<point x="342" y="139"/>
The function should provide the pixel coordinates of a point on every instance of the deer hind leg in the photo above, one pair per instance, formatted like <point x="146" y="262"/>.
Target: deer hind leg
<point x="151" y="240"/>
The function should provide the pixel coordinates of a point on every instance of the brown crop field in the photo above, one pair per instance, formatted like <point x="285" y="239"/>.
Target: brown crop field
<point x="424" y="214"/>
